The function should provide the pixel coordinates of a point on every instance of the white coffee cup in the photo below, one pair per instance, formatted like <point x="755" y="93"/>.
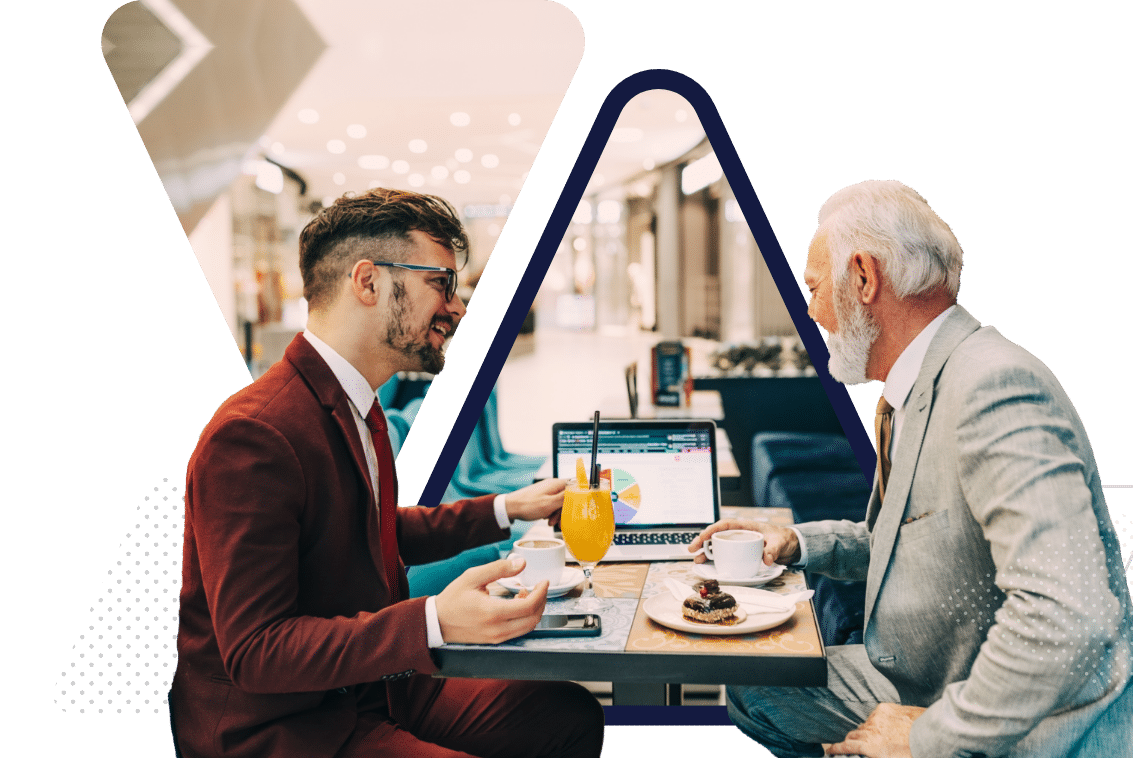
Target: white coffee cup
<point x="546" y="559"/>
<point x="737" y="553"/>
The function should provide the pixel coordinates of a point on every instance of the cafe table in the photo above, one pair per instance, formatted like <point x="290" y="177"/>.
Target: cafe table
<point x="647" y="662"/>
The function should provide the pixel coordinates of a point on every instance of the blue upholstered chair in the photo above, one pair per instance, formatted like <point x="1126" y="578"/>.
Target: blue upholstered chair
<point x="484" y="468"/>
<point x="817" y="476"/>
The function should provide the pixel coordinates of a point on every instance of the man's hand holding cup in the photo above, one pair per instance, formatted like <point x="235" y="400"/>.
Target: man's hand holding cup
<point x="780" y="544"/>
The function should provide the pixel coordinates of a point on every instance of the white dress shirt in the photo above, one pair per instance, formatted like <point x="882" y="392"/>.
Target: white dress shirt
<point x="898" y="385"/>
<point x="362" y="399"/>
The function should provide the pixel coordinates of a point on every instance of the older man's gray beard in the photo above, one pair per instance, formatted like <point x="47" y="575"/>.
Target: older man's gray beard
<point x="857" y="331"/>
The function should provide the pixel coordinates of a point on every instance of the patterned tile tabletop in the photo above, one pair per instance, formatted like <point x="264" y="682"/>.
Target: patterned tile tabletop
<point x="625" y="627"/>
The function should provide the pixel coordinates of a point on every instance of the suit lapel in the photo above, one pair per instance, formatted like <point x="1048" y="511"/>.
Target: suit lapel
<point x="885" y="520"/>
<point x="332" y="397"/>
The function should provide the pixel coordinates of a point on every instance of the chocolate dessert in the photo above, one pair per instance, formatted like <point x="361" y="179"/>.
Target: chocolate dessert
<point x="709" y="605"/>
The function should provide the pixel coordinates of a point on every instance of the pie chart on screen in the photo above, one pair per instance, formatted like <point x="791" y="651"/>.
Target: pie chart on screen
<point x="625" y="494"/>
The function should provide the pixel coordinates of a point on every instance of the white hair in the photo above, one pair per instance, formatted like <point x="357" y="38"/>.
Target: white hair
<point x="916" y="249"/>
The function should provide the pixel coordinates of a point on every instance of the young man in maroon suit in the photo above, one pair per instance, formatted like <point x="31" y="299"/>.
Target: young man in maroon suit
<point x="297" y="637"/>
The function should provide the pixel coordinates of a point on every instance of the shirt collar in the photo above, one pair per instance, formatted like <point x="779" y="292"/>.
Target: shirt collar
<point x="351" y="379"/>
<point x="908" y="364"/>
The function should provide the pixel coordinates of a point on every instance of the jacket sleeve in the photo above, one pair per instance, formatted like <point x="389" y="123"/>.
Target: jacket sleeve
<point x="1022" y="464"/>
<point x="244" y="503"/>
<point x="427" y="534"/>
<point x="838" y="549"/>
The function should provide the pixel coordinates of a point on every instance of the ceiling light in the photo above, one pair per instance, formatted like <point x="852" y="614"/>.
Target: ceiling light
<point x="417" y="146"/>
<point x="514" y="119"/>
<point x="489" y="161"/>
<point x="733" y="212"/>
<point x="484" y="210"/>
<point x="440" y="173"/>
<point x="700" y="173"/>
<point x="462" y="177"/>
<point x="339" y="178"/>
<point x="357" y="131"/>
<point x="269" y="176"/>
<point x="463" y="155"/>
<point x="460" y="118"/>
<point x="336" y="146"/>
<point x="309" y="116"/>
<point x="416" y="180"/>
<point x="681" y="114"/>
<point x="609" y="212"/>
<point x="400" y="167"/>
<point x="626" y="134"/>
<point x="373" y="162"/>
<point x="579" y="244"/>
<point x="583" y="214"/>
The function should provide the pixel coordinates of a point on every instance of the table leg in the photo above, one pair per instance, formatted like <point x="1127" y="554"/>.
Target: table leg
<point x="633" y="693"/>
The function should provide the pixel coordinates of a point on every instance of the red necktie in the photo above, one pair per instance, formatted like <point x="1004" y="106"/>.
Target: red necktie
<point x="387" y="498"/>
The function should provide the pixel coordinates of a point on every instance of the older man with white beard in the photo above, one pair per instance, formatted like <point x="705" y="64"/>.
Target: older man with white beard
<point x="998" y="619"/>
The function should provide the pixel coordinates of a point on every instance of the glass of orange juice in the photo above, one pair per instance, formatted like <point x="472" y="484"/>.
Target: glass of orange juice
<point x="588" y="530"/>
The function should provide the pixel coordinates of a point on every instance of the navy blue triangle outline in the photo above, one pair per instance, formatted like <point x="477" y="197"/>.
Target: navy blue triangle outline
<point x="556" y="227"/>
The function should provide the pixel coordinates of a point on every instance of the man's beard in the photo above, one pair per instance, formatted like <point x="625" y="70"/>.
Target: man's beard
<point x="421" y="352"/>
<point x="857" y="331"/>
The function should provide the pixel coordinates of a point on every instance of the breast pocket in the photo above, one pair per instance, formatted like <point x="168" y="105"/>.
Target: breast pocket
<point x="923" y="526"/>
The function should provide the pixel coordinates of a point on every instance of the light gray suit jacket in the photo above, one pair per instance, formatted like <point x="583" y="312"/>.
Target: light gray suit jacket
<point x="995" y="594"/>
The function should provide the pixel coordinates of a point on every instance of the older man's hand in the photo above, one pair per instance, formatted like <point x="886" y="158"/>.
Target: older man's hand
<point x="536" y="501"/>
<point x="780" y="545"/>
<point x="885" y="734"/>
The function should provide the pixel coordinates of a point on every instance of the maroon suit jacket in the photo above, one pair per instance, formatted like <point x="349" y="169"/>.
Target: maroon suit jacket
<point x="286" y="630"/>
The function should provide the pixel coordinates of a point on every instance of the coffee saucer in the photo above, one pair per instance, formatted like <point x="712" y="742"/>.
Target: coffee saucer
<point x="708" y="571"/>
<point x="568" y="580"/>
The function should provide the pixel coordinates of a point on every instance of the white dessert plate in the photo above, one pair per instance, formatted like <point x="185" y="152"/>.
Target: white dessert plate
<point x="568" y="580"/>
<point x="708" y="571"/>
<point x="666" y="611"/>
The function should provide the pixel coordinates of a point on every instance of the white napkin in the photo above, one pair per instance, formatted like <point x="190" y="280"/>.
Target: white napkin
<point x="761" y="600"/>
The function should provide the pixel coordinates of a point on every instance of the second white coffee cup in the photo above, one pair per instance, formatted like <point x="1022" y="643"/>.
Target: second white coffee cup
<point x="737" y="553"/>
<point x="546" y="558"/>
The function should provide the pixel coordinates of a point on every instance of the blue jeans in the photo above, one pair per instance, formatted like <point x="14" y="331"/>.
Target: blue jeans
<point x="793" y="722"/>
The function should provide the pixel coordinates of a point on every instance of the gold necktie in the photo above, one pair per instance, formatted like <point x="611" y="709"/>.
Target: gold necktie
<point x="883" y="430"/>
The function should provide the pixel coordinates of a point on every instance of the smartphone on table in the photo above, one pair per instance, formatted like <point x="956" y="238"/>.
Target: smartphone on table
<point x="568" y="625"/>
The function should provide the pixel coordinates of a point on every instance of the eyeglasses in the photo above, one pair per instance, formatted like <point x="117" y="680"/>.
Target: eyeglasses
<point x="450" y="275"/>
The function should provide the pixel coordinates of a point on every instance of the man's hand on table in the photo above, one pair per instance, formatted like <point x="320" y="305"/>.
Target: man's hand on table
<point x="780" y="545"/>
<point x="468" y="614"/>
<point x="885" y="734"/>
<point x="537" y="501"/>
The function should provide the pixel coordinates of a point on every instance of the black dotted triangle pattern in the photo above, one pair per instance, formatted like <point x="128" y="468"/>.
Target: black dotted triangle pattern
<point x="124" y="661"/>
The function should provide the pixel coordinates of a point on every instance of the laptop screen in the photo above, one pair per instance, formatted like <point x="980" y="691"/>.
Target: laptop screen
<point x="661" y="473"/>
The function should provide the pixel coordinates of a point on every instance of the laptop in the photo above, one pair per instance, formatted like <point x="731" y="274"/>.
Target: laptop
<point x="663" y="481"/>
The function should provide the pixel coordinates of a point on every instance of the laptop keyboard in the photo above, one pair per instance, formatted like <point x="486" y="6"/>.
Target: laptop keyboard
<point x="654" y="538"/>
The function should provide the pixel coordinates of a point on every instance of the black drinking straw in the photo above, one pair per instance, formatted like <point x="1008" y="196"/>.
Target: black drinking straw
<point x="594" y="484"/>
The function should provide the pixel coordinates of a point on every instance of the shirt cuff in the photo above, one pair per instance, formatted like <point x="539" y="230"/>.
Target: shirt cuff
<point x="804" y="556"/>
<point x="501" y="512"/>
<point x="432" y="623"/>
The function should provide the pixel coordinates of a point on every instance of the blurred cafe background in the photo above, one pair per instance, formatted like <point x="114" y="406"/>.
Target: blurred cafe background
<point x="257" y="113"/>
